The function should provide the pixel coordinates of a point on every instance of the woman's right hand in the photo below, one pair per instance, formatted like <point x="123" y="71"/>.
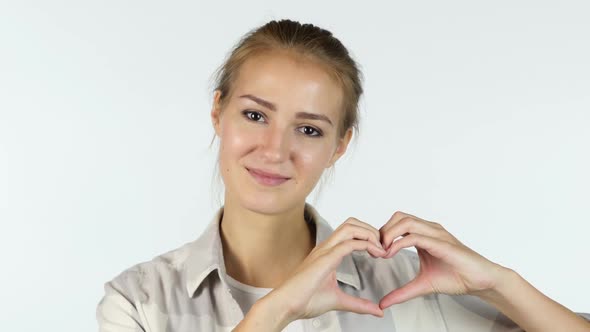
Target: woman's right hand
<point x="313" y="289"/>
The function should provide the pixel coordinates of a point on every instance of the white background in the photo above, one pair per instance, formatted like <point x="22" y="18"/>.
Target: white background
<point x="476" y="116"/>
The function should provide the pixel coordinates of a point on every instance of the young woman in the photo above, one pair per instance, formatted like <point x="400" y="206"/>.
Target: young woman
<point x="284" y="109"/>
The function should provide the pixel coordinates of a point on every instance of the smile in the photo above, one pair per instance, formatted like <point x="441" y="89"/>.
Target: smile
<point x="267" y="180"/>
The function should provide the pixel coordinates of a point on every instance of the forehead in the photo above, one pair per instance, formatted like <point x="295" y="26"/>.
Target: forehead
<point x="291" y="82"/>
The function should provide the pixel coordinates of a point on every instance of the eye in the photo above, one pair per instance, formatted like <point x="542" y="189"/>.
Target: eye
<point x="307" y="130"/>
<point x="256" y="115"/>
<point x="311" y="130"/>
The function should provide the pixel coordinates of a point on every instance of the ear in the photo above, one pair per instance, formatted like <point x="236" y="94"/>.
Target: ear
<point x="341" y="148"/>
<point x="216" y="112"/>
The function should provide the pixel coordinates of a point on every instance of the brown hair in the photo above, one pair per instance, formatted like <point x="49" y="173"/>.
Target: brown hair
<point x="308" y="41"/>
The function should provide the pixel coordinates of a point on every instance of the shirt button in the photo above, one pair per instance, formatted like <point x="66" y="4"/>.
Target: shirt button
<point x="316" y="322"/>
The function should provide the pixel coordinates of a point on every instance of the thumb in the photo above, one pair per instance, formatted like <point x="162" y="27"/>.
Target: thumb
<point x="358" y="305"/>
<point x="414" y="288"/>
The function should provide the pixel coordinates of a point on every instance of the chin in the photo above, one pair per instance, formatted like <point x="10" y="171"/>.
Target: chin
<point x="265" y="203"/>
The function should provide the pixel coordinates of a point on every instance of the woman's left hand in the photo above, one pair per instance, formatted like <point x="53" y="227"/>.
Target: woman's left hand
<point x="446" y="265"/>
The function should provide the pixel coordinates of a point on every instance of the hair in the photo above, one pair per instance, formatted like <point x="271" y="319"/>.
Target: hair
<point x="307" y="41"/>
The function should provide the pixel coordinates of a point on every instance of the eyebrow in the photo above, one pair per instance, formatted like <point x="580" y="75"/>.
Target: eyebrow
<point x="298" y="115"/>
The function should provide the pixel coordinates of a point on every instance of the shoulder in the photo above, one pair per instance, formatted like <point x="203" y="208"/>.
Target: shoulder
<point x="163" y="270"/>
<point x="149" y="281"/>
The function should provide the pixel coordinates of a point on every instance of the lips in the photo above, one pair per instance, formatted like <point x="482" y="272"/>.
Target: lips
<point x="268" y="174"/>
<point x="267" y="178"/>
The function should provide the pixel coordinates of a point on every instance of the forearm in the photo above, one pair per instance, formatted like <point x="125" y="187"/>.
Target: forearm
<point x="529" y="308"/>
<point x="264" y="316"/>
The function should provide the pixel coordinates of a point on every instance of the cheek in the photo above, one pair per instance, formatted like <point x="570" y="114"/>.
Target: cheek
<point x="234" y="143"/>
<point x="314" y="159"/>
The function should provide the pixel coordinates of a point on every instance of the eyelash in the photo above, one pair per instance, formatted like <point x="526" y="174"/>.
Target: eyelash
<point x="245" y="114"/>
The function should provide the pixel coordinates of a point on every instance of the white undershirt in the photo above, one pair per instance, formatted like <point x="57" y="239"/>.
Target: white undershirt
<point x="247" y="295"/>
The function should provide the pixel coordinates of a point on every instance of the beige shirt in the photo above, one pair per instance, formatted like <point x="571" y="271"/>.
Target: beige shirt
<point x="247" y="295"/>
<point x="186" y="289"/>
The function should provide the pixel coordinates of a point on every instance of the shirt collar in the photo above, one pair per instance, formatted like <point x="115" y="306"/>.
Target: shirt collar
<point x="206" y="254"/>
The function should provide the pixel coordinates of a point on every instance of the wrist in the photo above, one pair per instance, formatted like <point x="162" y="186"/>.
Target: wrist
<point x="526" y="306"/>
<point x="262" y="316"/>
<point x="506" y="279"/>
<point x="274" y="310"/>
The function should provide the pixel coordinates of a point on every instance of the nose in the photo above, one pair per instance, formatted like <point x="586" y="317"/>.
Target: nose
<point x="275" y="144"/>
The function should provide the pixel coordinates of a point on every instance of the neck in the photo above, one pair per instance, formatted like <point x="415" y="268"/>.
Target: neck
<point x="262" y="250"/>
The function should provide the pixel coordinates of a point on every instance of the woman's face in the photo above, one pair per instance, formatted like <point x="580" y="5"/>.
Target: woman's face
<point x="282" y="117"/>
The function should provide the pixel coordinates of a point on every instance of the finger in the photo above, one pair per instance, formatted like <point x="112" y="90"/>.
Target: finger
<point x="415" y="288"/>
<point x="370" y="227"/>
<point x="350" y="303"/>
<point x="348" y="231"/>
<point x="377" y="254"/>
<point x="348" y="246"/>
<point x="376" y="236"/>
<point x="395" y="218"/>
<point x="409" y="225"/>
<point x="436" y="247"/>
<point x="333" y="256"/>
